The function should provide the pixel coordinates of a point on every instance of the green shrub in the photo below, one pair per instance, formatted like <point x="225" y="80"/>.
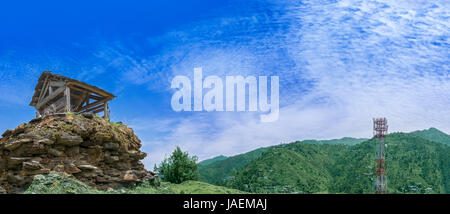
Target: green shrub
<point x="179" y="167"/>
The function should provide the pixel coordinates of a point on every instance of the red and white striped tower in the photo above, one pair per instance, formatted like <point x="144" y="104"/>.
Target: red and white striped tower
<point x="380" y="129"/>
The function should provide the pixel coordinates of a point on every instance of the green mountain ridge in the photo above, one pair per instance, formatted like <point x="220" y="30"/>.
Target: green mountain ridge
<point x="212" y="160"/>
<point x="433" y="134"/>
<point x="417" y="162"/>
<point x="345" y="141"/>
<point x="216" y="170"/>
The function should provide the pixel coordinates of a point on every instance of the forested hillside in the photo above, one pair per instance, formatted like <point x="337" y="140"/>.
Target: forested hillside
<point x="414" y="165"/>
<point x="212" y="160"/>
<point x="219" y="168"/>
<point x="435" y="135"/>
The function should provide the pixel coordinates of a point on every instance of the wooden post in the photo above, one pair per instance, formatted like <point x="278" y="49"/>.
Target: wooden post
<point x="88" y="99"/>
<point x="106" y="114"/>
<point x="67" y="95"/>
<point x="50" y="97"/>
<point x="43" y="90"/>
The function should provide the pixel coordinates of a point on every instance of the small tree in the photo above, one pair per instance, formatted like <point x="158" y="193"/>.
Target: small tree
<point x="179" y="167"/>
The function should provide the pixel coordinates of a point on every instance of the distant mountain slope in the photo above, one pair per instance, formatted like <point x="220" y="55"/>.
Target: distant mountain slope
<point x="216" y="170"/>
<point x="219" y="170"/>
<point x="414" y="165"/>
<point x="282" y="170"/>
<point x="212" y="160"/>
<point x="434" y="134"/>
<point x="345" y="141"/>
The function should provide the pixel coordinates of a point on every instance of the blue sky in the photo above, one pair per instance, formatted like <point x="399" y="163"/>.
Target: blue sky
<point x="340" y="63"/>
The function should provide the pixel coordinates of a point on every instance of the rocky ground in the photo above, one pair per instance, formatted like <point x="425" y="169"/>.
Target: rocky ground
<point x="100" y="153"/>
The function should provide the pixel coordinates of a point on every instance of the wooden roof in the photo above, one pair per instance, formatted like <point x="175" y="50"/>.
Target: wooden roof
<point x="48" y="75"/>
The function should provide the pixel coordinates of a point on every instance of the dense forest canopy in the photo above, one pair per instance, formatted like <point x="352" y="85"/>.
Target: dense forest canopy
<point x="417" y="162"/>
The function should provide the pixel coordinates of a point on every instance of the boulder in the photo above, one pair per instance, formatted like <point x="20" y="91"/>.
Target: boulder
<point x="45" y="141"/>
<point x="55" y="152"/>
<point x="130" y="177"/>
<point x="87" y="167"/>
<point x="14" y="162"/>
<point x="31" y="165"/>
<point x="14" y="144"/>
<point x="71" y="169"/>
<point x="69" y="140"/>
<point x="111" y="146"/>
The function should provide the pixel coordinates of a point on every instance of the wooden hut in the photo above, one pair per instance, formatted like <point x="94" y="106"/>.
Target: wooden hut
<point x="58" y="94"/>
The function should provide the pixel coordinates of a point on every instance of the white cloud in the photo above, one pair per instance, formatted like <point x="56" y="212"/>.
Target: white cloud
<point x="359" y="60"/>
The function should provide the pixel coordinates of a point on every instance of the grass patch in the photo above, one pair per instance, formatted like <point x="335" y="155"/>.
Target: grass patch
<point x="55" y="183"/>
<point x="188" y="187"/>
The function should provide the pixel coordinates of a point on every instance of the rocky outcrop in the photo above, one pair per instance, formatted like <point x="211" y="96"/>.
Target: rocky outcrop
<point x="89" y="148"/>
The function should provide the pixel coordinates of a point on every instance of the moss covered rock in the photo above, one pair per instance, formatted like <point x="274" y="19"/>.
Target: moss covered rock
<point x="89" y="148"/>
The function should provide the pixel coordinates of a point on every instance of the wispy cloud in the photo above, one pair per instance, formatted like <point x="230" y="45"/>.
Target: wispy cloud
<point x="340" y="64"/>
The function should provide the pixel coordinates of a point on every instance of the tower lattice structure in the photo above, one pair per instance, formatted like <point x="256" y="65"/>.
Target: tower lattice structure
<point x="380" y="129"/>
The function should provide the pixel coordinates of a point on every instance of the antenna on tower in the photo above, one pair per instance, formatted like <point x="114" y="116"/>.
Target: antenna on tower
<point x="380" y="129"/>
